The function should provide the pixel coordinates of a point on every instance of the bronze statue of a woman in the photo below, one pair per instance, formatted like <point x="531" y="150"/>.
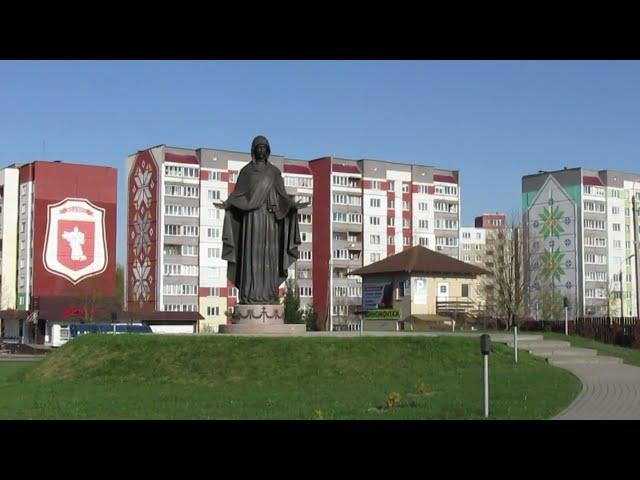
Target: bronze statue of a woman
<point x="261" y="234"/>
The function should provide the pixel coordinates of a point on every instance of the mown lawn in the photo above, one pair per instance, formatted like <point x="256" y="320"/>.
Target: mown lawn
<point x="216" y="377"/>
<point x="629" y="355"/>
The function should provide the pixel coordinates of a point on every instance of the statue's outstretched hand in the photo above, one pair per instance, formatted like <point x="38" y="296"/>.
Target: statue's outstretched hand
<point x="222" y="205"/>
<point x="299" y="205"/>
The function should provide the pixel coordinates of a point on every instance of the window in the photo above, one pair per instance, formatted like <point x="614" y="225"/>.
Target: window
<point x="423" y="188"/>
<point x="213" y="232"/>
<point x="392" y="185"/>
<point x="171" y="269"/>
<point x="213" y="311"/>
<point x="590" y="206"/>
<point x="478" y="259"/>
<point x="391" y="240"/>
<point x="341" y="254"/>
<point x="424" y="241"/>
<point x="342" y="181"/>
<point x="305" y="255"/>
<point x="447" y="241"/>
<point x="593" y="191"/>
<point x="422" y="206"/>
<point x="305" y="291"/>
<point x="170" y="229"/>
<point x="213" y="292"/>
<point x="615" y="210"/>
<point x="617" y="244"/>
<point x="233" y="176"/>
<point x="616" y="227"/>
<point x="213" y="252"/>
<point x="375" y="239"/>
<point x="234" y="292"/>
<point x="406" y="241"/>
<point x="305" y="237"/>
<point x="174" y="190"/>
<point x="595" y="241"/>
<point x="213" y="194"/>
<point x="170" y="209"/>
<point x="465" y="289"/>
<point x="404" y="288"/>
<point x="391" y="204"/>
<point x="190" y="250"/>
<point x="376" y="185"/>
<point x="190" y="230"/>
<point x="304" y="218"/>
<point x="406" y="223"/>
<point x="406" y="205"/>
<point x="374" y="220"/>
<point x="594" y="224"/>
<point x="374" y="257"/>
<point x="593" y="258"/>
<point x="405" y="187"/>
<point x="172" y="249"/>
<point x="391" y="221"/>
<point x="375" y="202"/>
<point x="423" y="224"/>
<point x="466" y="258"/>
<point x="466" y="235"/>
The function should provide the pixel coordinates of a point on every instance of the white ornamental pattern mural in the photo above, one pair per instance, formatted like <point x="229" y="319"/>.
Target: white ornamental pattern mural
<point x="551" y="243"/>
<point x="143" y="182"/>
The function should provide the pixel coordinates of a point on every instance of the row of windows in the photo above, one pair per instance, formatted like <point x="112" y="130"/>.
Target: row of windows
<point x="173" y="307"/>
<point x="344" y="199"/>
<point x="597" y="276"/>
<point x="595" y="241"/>
<point x="176" y="171"/>
<point x="595" y="207"/>
<point x="595" y="259"/>
<point x="468" y="235"/>
<point x="446" y="190"/>
<point x="445" y="207"/>
<point x="446" y="224"/>
<point x="302" y="182"/>
<point x="181" y="210"/>
<point x="593" y="190"/>
<point x="181" y="230"/>
<point x="178" y="269"/>
<point x="447" y="241"/>
<point x="343" y="217"/>
<point x="594" y="224"/>
<point x="180" y="289"/>
<point x="467" y="246"/>
<point x="184" y="250"/>
<point x="182" y="191"/>
<point x="304" y="218"/>
<point x="213" y="311"/>
<point x="347" y="291"/>
<point x="344" y="254"/>
<point x="342" y="181"/>
<point x="595" y="293"/>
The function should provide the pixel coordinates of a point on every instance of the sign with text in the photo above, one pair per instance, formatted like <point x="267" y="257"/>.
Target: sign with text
<point x="377" y="295"/>
<point x="386" y="314"/>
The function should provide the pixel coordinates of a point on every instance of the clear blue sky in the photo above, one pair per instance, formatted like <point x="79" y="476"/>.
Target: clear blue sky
<point x="495" y="121"/>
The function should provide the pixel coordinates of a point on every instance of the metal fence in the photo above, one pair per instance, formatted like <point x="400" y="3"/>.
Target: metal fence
<point x="622" y="331"/>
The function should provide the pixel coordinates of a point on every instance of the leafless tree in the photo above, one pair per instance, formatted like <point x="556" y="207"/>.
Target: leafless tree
<point x="503" y="289"/>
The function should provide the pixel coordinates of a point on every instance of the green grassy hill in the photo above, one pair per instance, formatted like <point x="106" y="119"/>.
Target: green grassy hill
<point x="158" y="376"/>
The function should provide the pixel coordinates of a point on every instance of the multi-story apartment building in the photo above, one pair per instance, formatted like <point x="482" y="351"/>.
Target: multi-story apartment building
<point x="58" y="243"/>
<point x="360" y="212"/>
<point x="175" y="231"/>
<point x="473" y="245"/>
<point x="491" y="221"/>
<point x="580" y="239"/>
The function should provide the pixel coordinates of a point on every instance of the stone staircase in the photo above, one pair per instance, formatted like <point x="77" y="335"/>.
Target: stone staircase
<point x="559" y="352"/>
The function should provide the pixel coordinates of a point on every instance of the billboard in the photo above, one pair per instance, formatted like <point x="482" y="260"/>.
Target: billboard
<point x="377" y="295"/>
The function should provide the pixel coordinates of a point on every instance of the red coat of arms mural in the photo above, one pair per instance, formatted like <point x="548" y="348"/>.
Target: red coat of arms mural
<point x="75" y="244"/>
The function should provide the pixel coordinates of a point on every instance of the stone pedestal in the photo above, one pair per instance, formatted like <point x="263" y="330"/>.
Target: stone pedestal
<point x="261" y="319"/>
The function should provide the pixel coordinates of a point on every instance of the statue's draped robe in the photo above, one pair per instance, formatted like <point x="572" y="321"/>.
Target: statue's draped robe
<point x="261" y="234"/>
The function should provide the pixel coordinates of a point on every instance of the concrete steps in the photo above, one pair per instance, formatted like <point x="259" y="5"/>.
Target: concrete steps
<point x="559" y="352"/>
<point x="555" y="344"/>
<point x="563" y="352"/>
<point x="592" y="360"/>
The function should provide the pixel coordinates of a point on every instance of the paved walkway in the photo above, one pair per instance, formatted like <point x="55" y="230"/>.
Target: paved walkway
<point x="610" y="388"/>
<point x="609" y="392"/>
